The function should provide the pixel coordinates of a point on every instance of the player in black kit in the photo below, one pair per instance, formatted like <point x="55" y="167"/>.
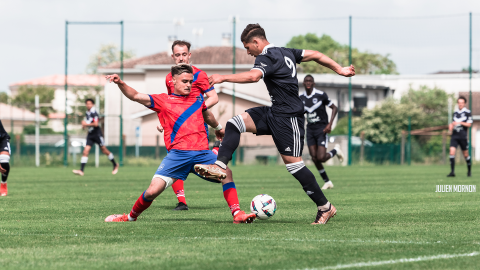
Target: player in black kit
<point x="318" y="127"/>
<point x="94" y="136"/>
<point x="4" y="159"/>
<point x="462" y="120"/>
<point x="284" y="120"/>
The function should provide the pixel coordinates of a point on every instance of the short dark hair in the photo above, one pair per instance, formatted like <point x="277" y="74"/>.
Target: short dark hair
<point x="89" y="99"/>
<point x="181" y="43"/>
<point x="251" y="31"/>
<point x="462" y="97"/>
<point x="309" y="76"/>
<point x="181" y="68"/>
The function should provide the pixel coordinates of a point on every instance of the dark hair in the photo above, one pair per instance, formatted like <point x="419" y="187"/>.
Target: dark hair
<point x="310" y="77"/>
<point x="462" y="97"/>
<point x="181" y="43"/>
<point x="181" y="68"/>
<point x="251" y="31"/>
<point x="89" y="99"/>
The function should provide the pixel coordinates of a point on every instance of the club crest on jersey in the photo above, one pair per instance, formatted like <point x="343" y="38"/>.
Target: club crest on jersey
<point x="315" y="100"/>
<point x="199" y="98"/>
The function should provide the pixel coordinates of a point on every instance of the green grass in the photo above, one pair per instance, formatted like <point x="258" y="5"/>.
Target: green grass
<point x="54" y="220"/>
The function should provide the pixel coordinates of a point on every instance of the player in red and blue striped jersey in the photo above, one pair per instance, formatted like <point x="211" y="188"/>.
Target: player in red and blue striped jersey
<point x="182" y="116"/>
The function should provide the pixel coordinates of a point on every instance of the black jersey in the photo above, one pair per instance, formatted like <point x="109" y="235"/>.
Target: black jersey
<point x="90" y="117"/>
<point x="465" y="116"/>
<point x="3" y="132"/>
<point x="314" y="105"/>
<point x="279" y="71"/>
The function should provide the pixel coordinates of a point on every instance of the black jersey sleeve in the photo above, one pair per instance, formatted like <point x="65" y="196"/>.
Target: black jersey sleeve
<point x="469" y="117"/>
<point x="298" y="54"/>
<point x="264" y="64"/>
<point x="326" y="100"/>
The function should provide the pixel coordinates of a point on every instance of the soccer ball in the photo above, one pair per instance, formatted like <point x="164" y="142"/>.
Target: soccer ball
<point x="263" y="206"/>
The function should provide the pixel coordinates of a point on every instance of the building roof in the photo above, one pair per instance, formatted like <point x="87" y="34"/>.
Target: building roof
<point x="202" y="56"/>
<point x="18" y="114"/>
<point x="58" y="80"/>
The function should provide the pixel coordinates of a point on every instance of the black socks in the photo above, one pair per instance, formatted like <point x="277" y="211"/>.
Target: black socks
<point x="308" y="182"/>
<point x="452" y="164"/>
<point x="6" y="166"/>
<point x="323" y="174"/>
<point x="233" y="130"/>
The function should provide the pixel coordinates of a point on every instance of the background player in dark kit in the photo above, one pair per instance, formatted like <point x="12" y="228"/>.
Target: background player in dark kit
<point x="94" y="136"/>
<point x="284" y="120"/>
<point x="462" y="120"/>
<point x="318" y="127"/>
<point x="4" y="159"/>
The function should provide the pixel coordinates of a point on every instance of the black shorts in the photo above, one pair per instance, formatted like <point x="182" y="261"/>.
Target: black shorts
<point x="455" y="142"/>
<point x="317" y="137"/>
<point x="98" y="139"/>
<point x="287" y="132"/>
<point x="5" y="145"/>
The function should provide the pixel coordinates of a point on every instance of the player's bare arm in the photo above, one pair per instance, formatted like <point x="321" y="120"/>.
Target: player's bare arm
<point x="328" y="128"/>
<point x="326" y="61"/>
<point x="209" y="118"/>
<point x="251" y="76"/>
<point x="128" y="91"/>
<point x="212" y="99"/>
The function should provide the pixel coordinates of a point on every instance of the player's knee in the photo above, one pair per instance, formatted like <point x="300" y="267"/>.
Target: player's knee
<point x="157" y="186"/>
<point x="237" y="122"/>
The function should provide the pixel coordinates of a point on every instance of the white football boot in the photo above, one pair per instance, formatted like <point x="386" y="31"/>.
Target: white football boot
<point x="328" y="185"/>
<point x="339" y="153"/>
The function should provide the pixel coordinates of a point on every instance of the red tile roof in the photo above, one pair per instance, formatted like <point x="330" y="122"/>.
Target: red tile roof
<point x="73" y="80"/>
<point x="201" y="56"/>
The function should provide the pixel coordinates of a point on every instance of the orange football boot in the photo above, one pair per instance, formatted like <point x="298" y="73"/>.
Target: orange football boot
<point x="3" y="189"/>
<point x="242" y="217"/>
<point x="324" y="216"/>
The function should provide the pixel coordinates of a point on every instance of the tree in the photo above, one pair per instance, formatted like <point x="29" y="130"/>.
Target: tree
<point x="364" y="62"/>
<point x="25" y="97"/>
<point x="426" y="107"/>
<point x="432" y="101"/>
<point x="4" y="97"/>
<point x="107" y="54"/>
<point x="384" y="123"/>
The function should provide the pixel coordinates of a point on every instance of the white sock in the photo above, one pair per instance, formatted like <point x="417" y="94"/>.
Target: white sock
<point x="130" y="218"/>
<point x="84" y="160"/>
<point x="221" y="164"/>
<point x="325" y="207"/>
<point x="234" y="213"/>
<point x="110" y="156"/>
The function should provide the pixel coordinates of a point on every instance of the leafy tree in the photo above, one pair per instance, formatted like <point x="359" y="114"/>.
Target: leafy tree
<point x="384" y="123"/>
<point x="4" y="97"/>
<point x="25" y="97"/>
<point x="432" y="101"/>
<point x="364" y="62"/>
<point x="107" y="54"/>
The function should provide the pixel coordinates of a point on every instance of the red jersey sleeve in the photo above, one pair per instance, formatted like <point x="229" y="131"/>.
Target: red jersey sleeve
<point x="157" y="102"/>
<point x="203" y="83"/>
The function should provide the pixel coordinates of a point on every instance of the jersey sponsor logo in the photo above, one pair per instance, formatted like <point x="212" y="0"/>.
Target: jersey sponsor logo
<point x="313" y="117"/>
<point x="288" y="149"/>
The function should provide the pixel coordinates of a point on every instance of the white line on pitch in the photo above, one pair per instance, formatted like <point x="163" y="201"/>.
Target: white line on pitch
<point x="404" y="260"/>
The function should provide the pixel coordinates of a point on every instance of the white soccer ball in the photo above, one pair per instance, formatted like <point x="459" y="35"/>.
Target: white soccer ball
<point x="263" y="206"/>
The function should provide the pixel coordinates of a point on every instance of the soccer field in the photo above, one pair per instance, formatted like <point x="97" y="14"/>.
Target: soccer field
<point x="389" y="217"/>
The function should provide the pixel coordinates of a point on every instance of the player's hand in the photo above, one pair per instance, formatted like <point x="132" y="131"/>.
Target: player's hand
<point x="113" y="78"/>
<point x="220" y="134"/>
<point x="2" y="170"/>
<point x="215" y="79"/>
<point x="347" y="71"/>
<point x="160" y="128"/>
<point x="327" y="129"/>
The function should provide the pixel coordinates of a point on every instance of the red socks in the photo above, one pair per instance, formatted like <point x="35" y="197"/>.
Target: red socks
<point x="230" y="194"/>
<point x="140" y="205"/>
<point x="178" y="189"/>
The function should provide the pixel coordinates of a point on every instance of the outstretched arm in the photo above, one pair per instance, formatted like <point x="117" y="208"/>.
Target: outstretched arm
<point x="212" y="99"/>
<point x="251" y="76"/>
<point x="129" y="92"/>
<point x="325" y="61"/>
<point x="209" y="118"/>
